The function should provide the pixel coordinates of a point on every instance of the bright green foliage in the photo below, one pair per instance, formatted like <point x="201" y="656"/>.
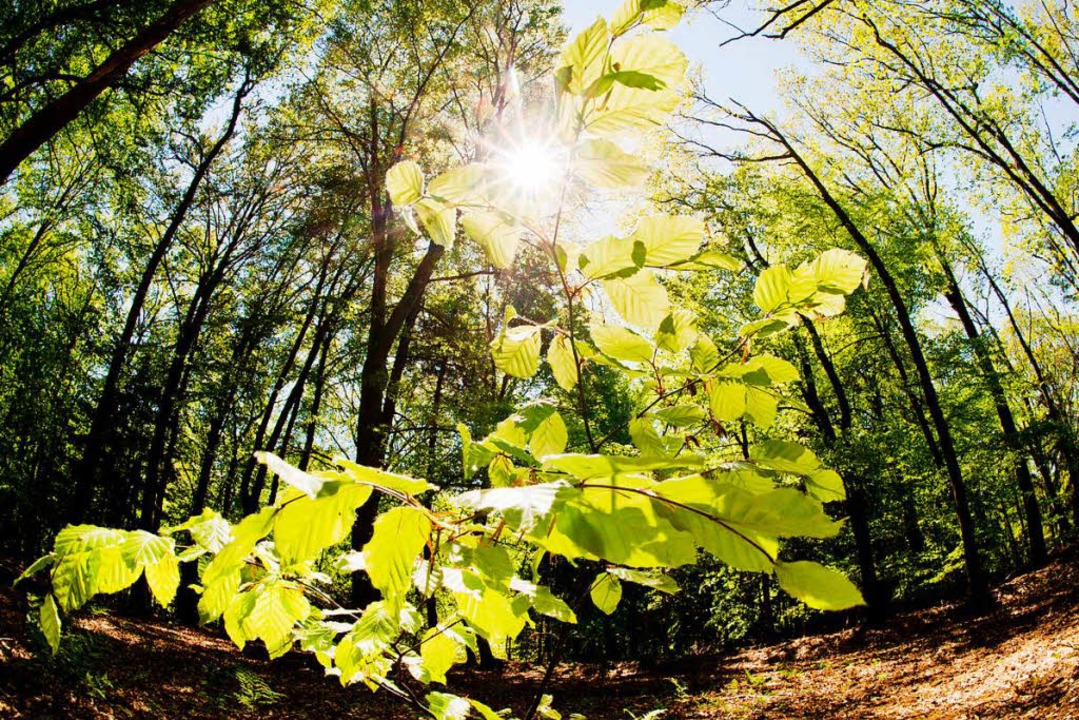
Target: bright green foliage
<point x="817" y="586"/>
<point x="404" y="183"/>
<point x="400" y="534"/>
<point x="49" y="620"/>
<point x="516" y="351"/>
<point x="606" y="592"/>
<point x="634" y="511"/>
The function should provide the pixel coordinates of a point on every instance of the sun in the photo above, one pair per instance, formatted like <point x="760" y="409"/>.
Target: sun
<point x="534" y="167"/>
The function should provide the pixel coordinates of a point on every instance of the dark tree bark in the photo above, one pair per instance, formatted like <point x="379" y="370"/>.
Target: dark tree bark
<point x="977" y="581"/>
<point x="88" y="471"/>
<point x="40" y="127"/>
<point x="1012" y="440"/>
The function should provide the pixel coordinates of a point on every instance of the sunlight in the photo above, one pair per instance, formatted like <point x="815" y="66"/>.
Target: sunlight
<point x="534" y="167"/>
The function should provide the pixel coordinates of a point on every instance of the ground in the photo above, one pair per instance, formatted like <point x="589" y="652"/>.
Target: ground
<point x="1019" y="661"/>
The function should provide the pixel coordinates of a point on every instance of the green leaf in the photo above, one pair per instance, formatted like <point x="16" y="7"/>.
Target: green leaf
<point x="608" y="467"/>
<point x="608" y="256"/>
<point x="817" y="586"/>
<point x="82" y="538"/>
<point x="110" y="572"/>
<point x="305" y="527"/>
<point x="646" y="439"/>
<point x="619" y="527"/>
<point x="383" y="479"/>
<point x="839" y="271"/>
<point x="444" y="706"/>
<point x="723" y="520"/>
<point x="163" y="577"/>
<point x="302" y="481"/>
<point x="664" y="17"/>
<point x="785" y="457"/>
<point x="49" y="619"/>
<point x="359" y="654"/>
<point x="404" y="183"/>
<point x="492" y="615"/>
<point x="277" y="607"/>
<point x="771" y="289"/>
<point x="528" y="505"/>
<point x="547" y="604"/>
<point x="762" y="370"/>
<point x="669" y="239"/>
<point x="244" y="537"/>
<point x="622" y="343"/>
<point x="649" y="578"/>
<point x="37" y="566"/>
<point x="460" y="185"/>
<point x="497" y="236"/>
<point x="639" y="299"/>
<point x="582" y="60"/>
<point x="439" y="651"/>
<point x="826" y="485"/>
<point x="604" y="164"/>
<point x="727" y="399"/>
<point x="679" y="415"/>
<point x="623" y="108"/>
<point x="735" y="400"/>
<point x="439" y="221"/>
<point x="563" y="365"/>
<point x="143" y="548"/>
<point x="399" y="535"/>
<point x="606" y="592"/>
<point x="73" y="579"/>
<point x="710" y="260"/>
<point x="218" y="594"/>
<point x="704" y="354"/>
<point x="677" y="331"/>
<point x="209" y="530"/>
<point x="549" y="437"/>
<point x="625" y="17"/>
<point x="516" y="351"/>
<point x="485" y="711"/>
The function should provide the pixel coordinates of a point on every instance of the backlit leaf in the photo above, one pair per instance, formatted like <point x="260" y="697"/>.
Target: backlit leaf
<point x="563" y="366"/>
<point x="498" y="237"/>
<point x="639" y="299"/>
<point x="817" y="586"/>
<point x="516" y="350"/>
<point x="606" y="592"/>
<point x="399" y="535"/>
<point x="49" y="620"/>
<point x="404" y="183"/>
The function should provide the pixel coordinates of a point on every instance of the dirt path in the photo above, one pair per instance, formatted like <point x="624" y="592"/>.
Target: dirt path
<point x="1020" y="661"/>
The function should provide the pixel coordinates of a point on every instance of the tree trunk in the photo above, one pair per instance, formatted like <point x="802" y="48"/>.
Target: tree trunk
<point x="1012" y="441"/>
<point x="87" y="472"/>
<point x="40" y="127"/>
<point x="977" y="581"/>
<point x="371" y="428"/>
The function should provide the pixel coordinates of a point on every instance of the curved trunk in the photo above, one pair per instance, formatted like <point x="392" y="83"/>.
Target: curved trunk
<point x="40" y="127"/>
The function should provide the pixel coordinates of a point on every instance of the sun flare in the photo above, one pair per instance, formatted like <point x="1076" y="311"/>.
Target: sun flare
<point x="534" y="167"/>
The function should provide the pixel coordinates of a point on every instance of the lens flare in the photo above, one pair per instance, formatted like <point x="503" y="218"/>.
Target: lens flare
<point x="533" y="167"/>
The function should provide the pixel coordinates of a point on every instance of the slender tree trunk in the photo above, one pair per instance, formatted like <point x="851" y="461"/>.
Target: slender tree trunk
<point x="88" y="471"/>
<point x="249" y="503"/>
<point x="316" y="404"/>
<point x="40" y="127"/>
<point x="977" y="581"/>
<point x="1012" y="441"/>
<point x="371" y="428"/>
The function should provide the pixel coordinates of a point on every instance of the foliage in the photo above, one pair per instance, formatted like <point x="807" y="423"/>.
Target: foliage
<point x="628" y="512"/>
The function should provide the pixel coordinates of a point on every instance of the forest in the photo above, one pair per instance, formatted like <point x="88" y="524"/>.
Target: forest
<point x="538" y="360"/>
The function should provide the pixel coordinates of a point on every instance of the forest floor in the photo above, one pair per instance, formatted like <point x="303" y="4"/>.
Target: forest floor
<point x="1019" y="661"/>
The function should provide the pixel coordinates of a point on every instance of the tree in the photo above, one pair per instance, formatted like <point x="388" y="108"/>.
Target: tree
<point x="624" y="513"/>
